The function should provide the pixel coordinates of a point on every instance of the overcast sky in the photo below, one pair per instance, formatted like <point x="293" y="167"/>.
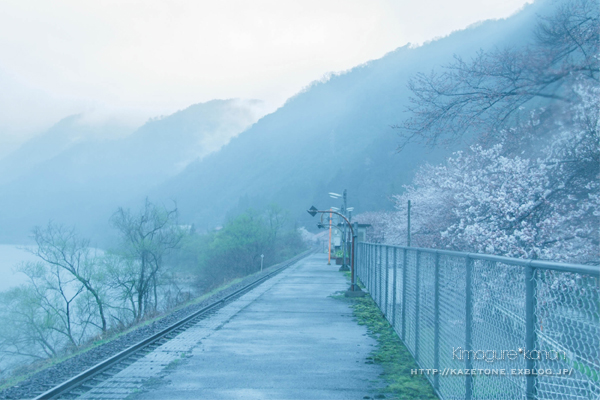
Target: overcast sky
<point x="139" y="59"/>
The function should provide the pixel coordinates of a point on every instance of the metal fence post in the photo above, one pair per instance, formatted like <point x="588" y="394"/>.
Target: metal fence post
<point x="375" y="250"/>
<point x="468" y="325"/>
<point x="366" y="269"/>
<point x="394" y="291"/>
<point x="404" y="296"/>
<point x="377" y="274"/>
<point x="370" y="267"/>
<point x="378" y="277"/>
<point x="359" y="265"/>
<point x="375" y="253"/>
<point x="367" y="264"/>
<point x="530" y="324"/>
<point x="380" y="294"/>
<point x="356" y="260"/>
<point x="436" y="321"/>
<point x="387" y="286"/>
<point x="362" y="259"/>
<point x="374" y="257"/>
<point x="417" y="304"/>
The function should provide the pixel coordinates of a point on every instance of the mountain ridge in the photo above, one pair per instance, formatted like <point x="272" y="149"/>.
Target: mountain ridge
<point x="87" y="180"/>
<point x="332" y="135"/>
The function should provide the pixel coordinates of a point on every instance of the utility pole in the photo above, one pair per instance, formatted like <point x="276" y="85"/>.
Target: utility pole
<point x="408" y="228"/>
<point x="344" y="267"/>
<point x="329" y="253"/>
<point x="343" y="212"/>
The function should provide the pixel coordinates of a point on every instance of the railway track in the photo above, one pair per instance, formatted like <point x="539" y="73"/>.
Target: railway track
<point x="87" y="380"/>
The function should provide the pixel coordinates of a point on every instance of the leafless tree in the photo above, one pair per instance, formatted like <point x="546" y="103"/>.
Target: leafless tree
<point x="51" y="313"/>
<point x="121" y="278"/>
<point x="488" y="93"/>
<point x="62" y="248"/>
<point x="30" y="332"/>
<point x="146" y="236"/>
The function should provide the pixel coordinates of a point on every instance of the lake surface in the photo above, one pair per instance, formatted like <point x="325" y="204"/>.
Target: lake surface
<point x="10" y="257"/>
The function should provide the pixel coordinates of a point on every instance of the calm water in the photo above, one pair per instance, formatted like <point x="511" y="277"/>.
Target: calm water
<point x="10" y="257"/>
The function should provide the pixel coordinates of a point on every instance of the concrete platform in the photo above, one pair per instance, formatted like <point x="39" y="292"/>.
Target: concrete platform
<point x="287" y="341"/>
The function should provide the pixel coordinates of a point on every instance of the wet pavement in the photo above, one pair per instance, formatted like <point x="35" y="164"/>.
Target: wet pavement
<point x="286" y="339"/>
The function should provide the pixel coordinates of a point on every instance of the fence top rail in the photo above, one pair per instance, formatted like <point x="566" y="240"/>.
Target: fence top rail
<point x="575" y="268"/>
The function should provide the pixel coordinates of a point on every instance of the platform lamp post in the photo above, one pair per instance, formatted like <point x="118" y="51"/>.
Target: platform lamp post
<point x="329" y="225"/>
<point x="349" y="211"/>
<point x="344" y="210"/>
<point x="354" y="290"/>
<point x="332" y="225"/>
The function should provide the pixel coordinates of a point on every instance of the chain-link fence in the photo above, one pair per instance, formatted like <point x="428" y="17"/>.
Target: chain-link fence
<point x="489" y="327"/>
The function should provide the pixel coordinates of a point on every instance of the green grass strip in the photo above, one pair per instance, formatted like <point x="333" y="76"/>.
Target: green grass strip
<point x="391" y="355"/>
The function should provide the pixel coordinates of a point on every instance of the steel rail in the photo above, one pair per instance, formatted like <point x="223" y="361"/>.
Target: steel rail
<point x="112" y="361"/>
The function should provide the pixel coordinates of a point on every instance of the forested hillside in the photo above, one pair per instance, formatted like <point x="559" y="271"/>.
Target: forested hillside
<point x="336" y="134"/>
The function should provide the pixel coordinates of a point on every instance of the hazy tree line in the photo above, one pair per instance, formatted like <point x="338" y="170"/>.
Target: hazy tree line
<point x="528" y="185"/>
<point x="76" y="293"/>
<point x="235" y="249"/>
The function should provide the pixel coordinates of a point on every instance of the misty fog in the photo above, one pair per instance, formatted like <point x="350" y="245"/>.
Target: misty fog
<point x="108" y="222"/>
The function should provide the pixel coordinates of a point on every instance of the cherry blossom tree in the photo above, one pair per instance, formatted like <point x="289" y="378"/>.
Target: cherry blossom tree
<point x="485" y="200"/>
